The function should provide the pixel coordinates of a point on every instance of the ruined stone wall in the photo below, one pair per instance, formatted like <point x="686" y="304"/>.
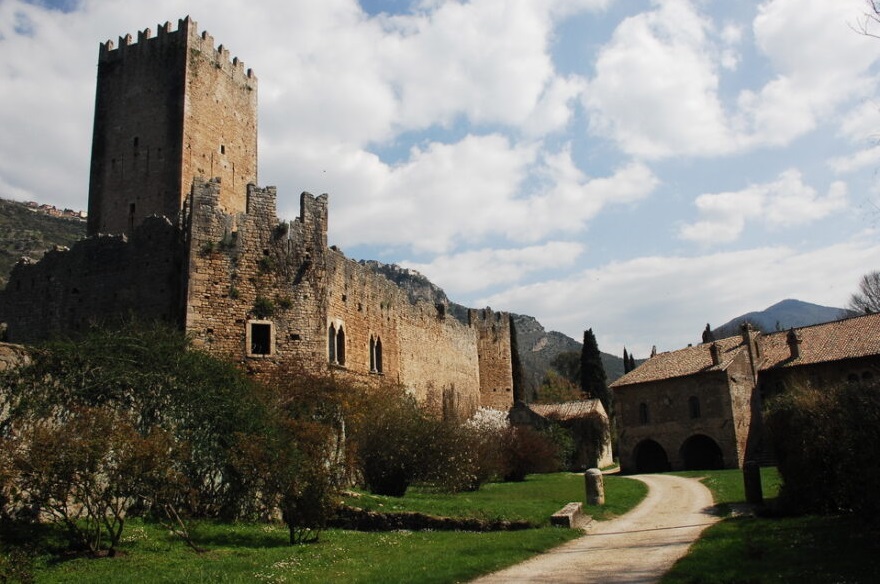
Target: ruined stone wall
<point x="669" y="420"/>
<point x="240" y="262"/>
<point x="168" y="108"/>
<point x="100" y="279"/>
<point x="249" y="269"/>
<point x="496" y="363"/>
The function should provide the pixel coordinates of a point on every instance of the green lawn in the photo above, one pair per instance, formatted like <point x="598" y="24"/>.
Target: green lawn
<point x="258" y="552"/>
<point x="806" y="549"/>
<point x="533" y="500"/>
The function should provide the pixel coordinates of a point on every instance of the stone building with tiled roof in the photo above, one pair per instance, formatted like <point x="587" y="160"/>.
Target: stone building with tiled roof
<point x="700" y="407"/>
<point x="575" y="417"/>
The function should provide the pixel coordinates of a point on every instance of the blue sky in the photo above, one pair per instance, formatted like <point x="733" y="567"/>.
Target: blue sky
<point x="636" y="167"/>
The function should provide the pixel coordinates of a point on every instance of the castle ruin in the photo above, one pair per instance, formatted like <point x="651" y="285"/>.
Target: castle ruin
<point x="179" y="232"/>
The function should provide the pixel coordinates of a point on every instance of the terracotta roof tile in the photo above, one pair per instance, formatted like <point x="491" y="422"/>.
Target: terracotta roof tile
<point x="843" y="339"/>
<point x="832" y="341"/>
<point x="568" y="410"/>
<point x="687" y="361"/>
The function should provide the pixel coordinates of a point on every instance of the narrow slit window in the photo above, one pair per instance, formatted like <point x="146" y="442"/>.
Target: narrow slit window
<point x="694" y="406"/>
<point x="331" y="344"/>
<point x="643" y="414"/>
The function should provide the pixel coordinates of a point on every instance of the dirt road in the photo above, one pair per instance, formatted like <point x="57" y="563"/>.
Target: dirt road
<point x="639" y="546"/>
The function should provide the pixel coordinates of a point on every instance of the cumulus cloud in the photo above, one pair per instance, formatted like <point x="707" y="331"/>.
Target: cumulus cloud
<point x="445" y="195"/>
<point x="656" y="90"/>
<point x="782" y="203"/>
<point x="666" y="301"/>
<point x="656" y="85"/>
<point x="471" y="271"/>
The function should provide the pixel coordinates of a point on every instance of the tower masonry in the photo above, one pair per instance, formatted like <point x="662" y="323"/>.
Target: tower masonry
<point x="169" y="108"/>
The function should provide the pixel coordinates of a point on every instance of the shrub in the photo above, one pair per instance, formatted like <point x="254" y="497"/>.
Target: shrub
<point x="150" y="374"/>
<point x="825" y="442"/>
<point x="527" y="451"/>
<point x="292" y="464"/>
<point x="86" y="470"/>
<point x="263" y="307"/>
<point x="391" y="436"/>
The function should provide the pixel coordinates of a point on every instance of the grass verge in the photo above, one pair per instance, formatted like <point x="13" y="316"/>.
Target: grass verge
<point x="807" y="549"/>
<point x="259" y="552"/>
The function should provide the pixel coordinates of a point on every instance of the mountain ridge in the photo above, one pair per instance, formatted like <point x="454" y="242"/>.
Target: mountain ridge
<point x="785" y="314"/>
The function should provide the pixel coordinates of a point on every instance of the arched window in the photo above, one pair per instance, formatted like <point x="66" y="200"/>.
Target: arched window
<point x="331" y="344"/>
<point x="340" y="346"/>
<point x="643" y="414"/>
<point x="694" y="406"/>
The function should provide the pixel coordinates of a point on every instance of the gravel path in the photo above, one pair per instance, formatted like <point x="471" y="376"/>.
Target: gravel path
<point x="639" y="546"/>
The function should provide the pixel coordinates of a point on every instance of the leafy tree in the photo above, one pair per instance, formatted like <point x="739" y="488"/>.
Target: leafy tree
<point x="593" y="381"/>
<point x="557" y="389"/>
<point x="867" y="299"/>
<point x="825" y="440"/>
<point x="568" y="365"/>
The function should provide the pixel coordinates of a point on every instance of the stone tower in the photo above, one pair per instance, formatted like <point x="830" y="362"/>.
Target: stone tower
<point x="168" y="109"/>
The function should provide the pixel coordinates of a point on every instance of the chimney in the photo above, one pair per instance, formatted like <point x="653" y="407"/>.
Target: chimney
<point x="713" y="350"/>
<point x="794" y="340"/>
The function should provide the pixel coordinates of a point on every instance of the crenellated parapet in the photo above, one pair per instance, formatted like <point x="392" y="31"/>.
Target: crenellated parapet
<point x="187" y="34"/>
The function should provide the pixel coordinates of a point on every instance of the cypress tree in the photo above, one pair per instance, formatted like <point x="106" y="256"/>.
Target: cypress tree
<point x="632" y="362"/>
<point x="626" y="368"/>
<point x="593" y="380"/>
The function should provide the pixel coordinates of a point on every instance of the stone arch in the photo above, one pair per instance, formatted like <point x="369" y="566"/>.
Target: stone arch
<point x="700" y="452"/>
<point x="650" y="457"/>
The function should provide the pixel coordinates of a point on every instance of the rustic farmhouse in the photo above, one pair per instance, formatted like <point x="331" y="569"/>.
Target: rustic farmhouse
<point x="700" y="407"/>
<point x="179" y="231"/>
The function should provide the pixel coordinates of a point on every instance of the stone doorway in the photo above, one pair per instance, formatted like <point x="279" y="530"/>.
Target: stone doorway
<point x="699" y="452"/>
<point x="650" y="457"/>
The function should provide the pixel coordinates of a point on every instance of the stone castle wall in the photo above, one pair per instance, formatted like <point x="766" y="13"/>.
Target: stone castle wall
<point x="100" y="279"/>
<point x="168" y="108"/>
<point x="238" y="262"/>
<point x="495" y="356"/>
<point x="171" y="109"/>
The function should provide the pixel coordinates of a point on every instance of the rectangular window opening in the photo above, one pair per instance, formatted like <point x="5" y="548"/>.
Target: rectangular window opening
<point x="261" y="338"/>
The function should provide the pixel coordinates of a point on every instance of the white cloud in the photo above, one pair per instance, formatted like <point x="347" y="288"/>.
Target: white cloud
<point x="656" y="84"/>
<point x="471" y="271"/>
<point x="866" y="158"/>
<point x="666" y="301"/>
<point x="656" y="90"/>
<point x="782" y="203"/>
<point x="445" y="196"/>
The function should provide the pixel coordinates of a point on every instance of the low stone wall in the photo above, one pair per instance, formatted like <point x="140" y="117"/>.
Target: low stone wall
<point x="362" y="520"/>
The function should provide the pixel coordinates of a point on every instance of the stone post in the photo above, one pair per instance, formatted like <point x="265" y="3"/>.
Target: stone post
<point x="595" y="486"/>
<point x="752" y="483"/>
